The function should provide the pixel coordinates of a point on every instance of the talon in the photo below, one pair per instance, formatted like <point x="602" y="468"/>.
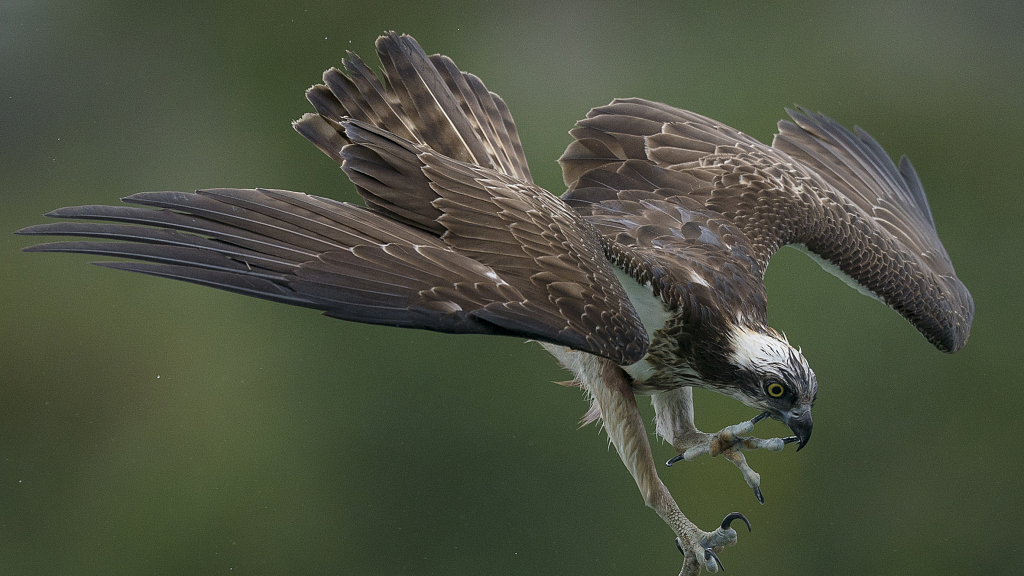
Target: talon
<point x="758" y="495"/>
<point x="759" y="417"/>
<point x="709" y="554"/>
<point x="674" y="459"/>
<point x="679" y="545"/>
<point x="790" y="439"/>
<point x="735" y="516"/>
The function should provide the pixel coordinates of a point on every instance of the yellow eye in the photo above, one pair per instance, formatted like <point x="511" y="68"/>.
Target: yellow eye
<point x="775" y="390"/>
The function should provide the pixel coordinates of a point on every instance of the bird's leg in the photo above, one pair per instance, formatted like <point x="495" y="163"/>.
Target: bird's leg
<point x="610" y="388"/>
<point x="674" y="418"/>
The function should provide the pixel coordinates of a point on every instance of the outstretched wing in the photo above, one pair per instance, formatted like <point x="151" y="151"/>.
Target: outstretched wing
<point x="835" y="193"/>
<point x="506" y="265"/>
<point x="454" y="238"/>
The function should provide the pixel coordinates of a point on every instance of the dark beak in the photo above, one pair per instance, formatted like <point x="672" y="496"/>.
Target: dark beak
<point x="801" y="426"/>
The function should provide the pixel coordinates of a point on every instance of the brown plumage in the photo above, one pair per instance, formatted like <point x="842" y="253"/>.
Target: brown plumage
<point x="645" y="278"/>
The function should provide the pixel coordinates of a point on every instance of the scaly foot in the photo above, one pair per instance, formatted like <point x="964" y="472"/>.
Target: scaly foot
<point x="730" y="442"/>
<point x="702" y="549"/>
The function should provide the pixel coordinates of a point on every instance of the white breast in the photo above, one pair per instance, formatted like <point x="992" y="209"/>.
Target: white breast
<point x="652" y="310"/>
<point x="653" y="315"/>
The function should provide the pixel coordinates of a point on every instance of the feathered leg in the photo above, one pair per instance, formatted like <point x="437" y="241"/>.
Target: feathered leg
<point x="610" y="388"/>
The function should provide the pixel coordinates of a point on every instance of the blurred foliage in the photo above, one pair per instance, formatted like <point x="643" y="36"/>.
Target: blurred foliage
<point x="154" y="427"/>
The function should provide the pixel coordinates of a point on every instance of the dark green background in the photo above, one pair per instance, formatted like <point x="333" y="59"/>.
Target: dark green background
<point x="148" y="426"/>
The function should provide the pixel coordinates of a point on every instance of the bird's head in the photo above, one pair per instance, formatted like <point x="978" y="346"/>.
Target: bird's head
<point x="770" y="375"/>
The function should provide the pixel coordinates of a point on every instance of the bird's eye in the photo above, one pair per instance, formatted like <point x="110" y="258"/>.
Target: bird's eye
<point x="775" y="389"/>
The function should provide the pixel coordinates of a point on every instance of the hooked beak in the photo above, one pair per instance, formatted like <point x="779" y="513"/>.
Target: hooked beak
<point x="801" y="426"/>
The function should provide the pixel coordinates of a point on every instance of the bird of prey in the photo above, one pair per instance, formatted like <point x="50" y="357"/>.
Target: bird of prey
<point x="644" y="278"/>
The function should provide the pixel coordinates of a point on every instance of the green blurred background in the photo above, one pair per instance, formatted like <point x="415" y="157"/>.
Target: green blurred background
<point x="148" y="426"/>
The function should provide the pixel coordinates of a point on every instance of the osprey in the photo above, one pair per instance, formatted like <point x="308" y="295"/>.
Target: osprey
<point x="646" y="277"/>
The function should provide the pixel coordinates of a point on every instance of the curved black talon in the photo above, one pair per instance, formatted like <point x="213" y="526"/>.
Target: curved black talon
<point x="759" y="417"/>
<point x="709" y="554"/>
<point x="735" y="516"/>
<point x="758" y="495"/>
<point x="674" y="459"/>
<point x="679" y="546"/>
<point x="790" y="439"/>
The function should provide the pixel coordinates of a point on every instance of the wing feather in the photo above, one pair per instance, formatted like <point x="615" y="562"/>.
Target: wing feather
<point x="528" y="236"/>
